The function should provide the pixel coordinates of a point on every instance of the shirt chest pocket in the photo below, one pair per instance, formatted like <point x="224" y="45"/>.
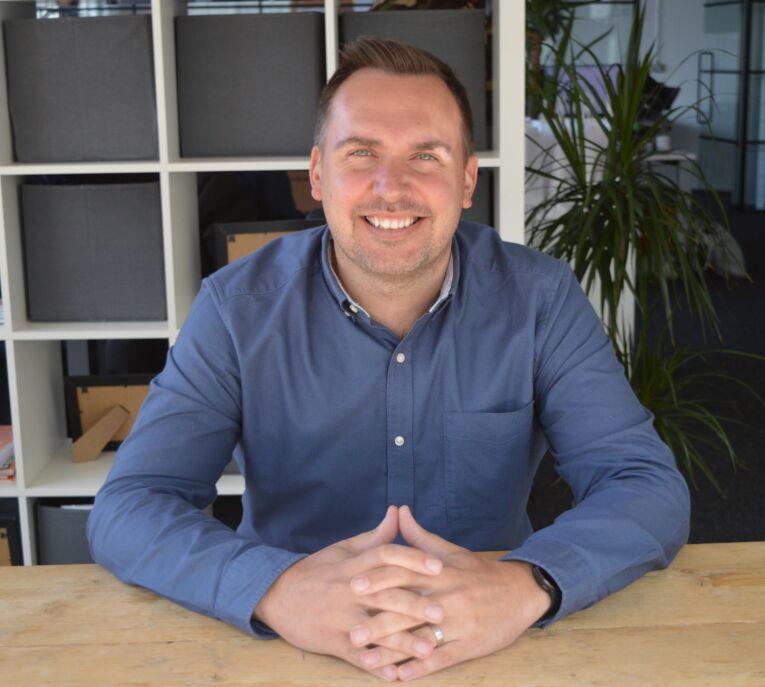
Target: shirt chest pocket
<point x="485" y="455"/>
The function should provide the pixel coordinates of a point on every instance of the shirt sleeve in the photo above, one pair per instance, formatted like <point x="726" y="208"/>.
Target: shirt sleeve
<point x="632" y="509"/>
<point x="147" y="526"/>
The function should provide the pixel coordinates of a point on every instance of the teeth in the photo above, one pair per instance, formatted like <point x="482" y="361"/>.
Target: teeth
<point x="391" y="224"/>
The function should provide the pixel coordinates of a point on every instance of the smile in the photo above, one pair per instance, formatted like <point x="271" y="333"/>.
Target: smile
<point x="383" y="223"/>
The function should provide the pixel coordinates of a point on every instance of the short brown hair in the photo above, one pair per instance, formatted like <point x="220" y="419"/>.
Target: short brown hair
<point x="395" y="58"/>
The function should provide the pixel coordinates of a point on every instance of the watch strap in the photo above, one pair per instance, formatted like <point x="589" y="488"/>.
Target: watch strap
<point x="548" y="584"/>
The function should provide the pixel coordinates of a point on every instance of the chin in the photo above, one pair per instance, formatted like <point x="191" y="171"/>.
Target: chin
<point x="394" y="268"/>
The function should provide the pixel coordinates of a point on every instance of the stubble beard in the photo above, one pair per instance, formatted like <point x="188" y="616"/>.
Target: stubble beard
<point x="393" y="269"/>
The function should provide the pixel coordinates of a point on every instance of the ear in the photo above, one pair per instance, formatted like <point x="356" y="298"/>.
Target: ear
<point x="471" y="178"/>
<point x="314" y="173"/>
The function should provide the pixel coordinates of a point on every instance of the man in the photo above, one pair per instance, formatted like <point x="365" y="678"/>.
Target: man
<point x="397" y="358"/>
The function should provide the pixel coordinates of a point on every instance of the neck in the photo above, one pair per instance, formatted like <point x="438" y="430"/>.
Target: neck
<point x="395" y="303"/>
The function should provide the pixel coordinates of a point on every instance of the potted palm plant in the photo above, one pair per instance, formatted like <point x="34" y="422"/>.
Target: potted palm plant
<point x="624" y="226"/>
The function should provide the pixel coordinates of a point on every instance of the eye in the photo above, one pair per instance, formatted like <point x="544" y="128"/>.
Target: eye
<point x="428" y="156"/>
<point x="361" y="150"/>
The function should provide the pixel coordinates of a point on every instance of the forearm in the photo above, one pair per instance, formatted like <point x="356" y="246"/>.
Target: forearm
<point x="633" y="506"/>
<point x="631" y="523"/>
<point x="147" y="526"/>
<point x="153" y="537"/>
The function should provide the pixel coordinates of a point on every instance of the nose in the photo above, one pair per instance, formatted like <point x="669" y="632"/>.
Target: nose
<point x="392" y="180"/>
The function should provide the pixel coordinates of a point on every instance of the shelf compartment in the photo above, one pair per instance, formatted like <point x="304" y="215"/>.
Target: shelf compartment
<point x="93" y="252"/>
<point x="97" y="107"/>
<point x="248" y="84"/>
<point x="454" y="36"/>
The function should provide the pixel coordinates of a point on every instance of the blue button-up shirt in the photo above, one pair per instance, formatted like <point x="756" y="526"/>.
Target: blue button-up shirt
<point x="331" y="417"/>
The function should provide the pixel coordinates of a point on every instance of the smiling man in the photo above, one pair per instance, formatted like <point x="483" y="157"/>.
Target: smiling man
<point x="393" y="169"/>
<point x="395" y="361"/>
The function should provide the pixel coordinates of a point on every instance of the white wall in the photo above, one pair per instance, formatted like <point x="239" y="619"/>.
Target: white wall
<point x="676" y="27"/>
<point x="679" y="36"/>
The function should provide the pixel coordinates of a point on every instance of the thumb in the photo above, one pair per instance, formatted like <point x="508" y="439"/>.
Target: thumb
<point x="384" y="533"/>
<point x="420" y="538"/>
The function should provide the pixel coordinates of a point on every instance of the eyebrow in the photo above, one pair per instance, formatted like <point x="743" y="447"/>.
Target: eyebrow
<point x="430" y="144"/>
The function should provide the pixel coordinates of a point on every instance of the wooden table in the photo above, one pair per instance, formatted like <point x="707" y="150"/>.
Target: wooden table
<point x="700" y="622"/>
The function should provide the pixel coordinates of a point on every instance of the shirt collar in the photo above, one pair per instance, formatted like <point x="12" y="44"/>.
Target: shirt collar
<point x="349" y="306"/>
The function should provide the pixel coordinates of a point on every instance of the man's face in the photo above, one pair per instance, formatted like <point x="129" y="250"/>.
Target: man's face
<point x="393" y="152"/>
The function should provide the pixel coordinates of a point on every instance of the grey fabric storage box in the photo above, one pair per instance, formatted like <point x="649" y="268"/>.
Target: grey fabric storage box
<point x="482" y="209"/>
<point x="81" y="88"/>
<point x="248" y="84"/>
<point x="453" y="36"/>
<point x="61" y="535"/>
<point x="93" y="252"/>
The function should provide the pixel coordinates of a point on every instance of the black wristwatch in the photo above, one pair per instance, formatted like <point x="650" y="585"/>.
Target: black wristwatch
<point x="547" y="583"/>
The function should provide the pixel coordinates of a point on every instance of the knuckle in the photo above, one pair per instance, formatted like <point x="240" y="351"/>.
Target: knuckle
<point x="422" y="606"/>
<point x="377" y="671"/>
<point x="393" y="576"/>
<point x="375" y="600"/>
<point x="385" y="656"/>
<point x="425" y="634"/>
<point x="381" y="579"/>
<point x="397" y="641"/>
<point x="387" y="673"/>
<point x="402" y="623"/>
<point x="453" y="599"/>
<point x="412" y="604"/>
<point x="383" y="624"/>
<point x="377" y="555"/>
<point x="372" y="658"/>
<point x="419" y="646"/>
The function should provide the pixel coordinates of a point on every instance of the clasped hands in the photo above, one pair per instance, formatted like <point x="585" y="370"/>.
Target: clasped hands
<point x="371" y="602"/>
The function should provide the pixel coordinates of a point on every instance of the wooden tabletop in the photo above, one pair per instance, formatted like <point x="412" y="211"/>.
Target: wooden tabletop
<point x="700" y="622"/>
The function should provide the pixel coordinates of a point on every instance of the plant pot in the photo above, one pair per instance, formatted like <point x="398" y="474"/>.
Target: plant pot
<point x="663" y="143"/>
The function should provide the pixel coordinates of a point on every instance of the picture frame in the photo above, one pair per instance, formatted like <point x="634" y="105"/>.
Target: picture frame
<point x="89" y="397"/>
<point x="234" y="240"/>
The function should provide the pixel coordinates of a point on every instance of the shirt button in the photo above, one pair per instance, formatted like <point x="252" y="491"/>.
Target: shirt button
<point x="399" y="440"/>
<point x="400" y="358"/>
<point x="353" y="308"/>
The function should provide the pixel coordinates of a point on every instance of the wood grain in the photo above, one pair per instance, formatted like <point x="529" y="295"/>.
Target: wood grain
<point x="699" y="622"/>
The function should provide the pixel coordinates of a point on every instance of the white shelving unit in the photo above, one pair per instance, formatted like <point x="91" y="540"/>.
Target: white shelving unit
<point x="36" y="384"/>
